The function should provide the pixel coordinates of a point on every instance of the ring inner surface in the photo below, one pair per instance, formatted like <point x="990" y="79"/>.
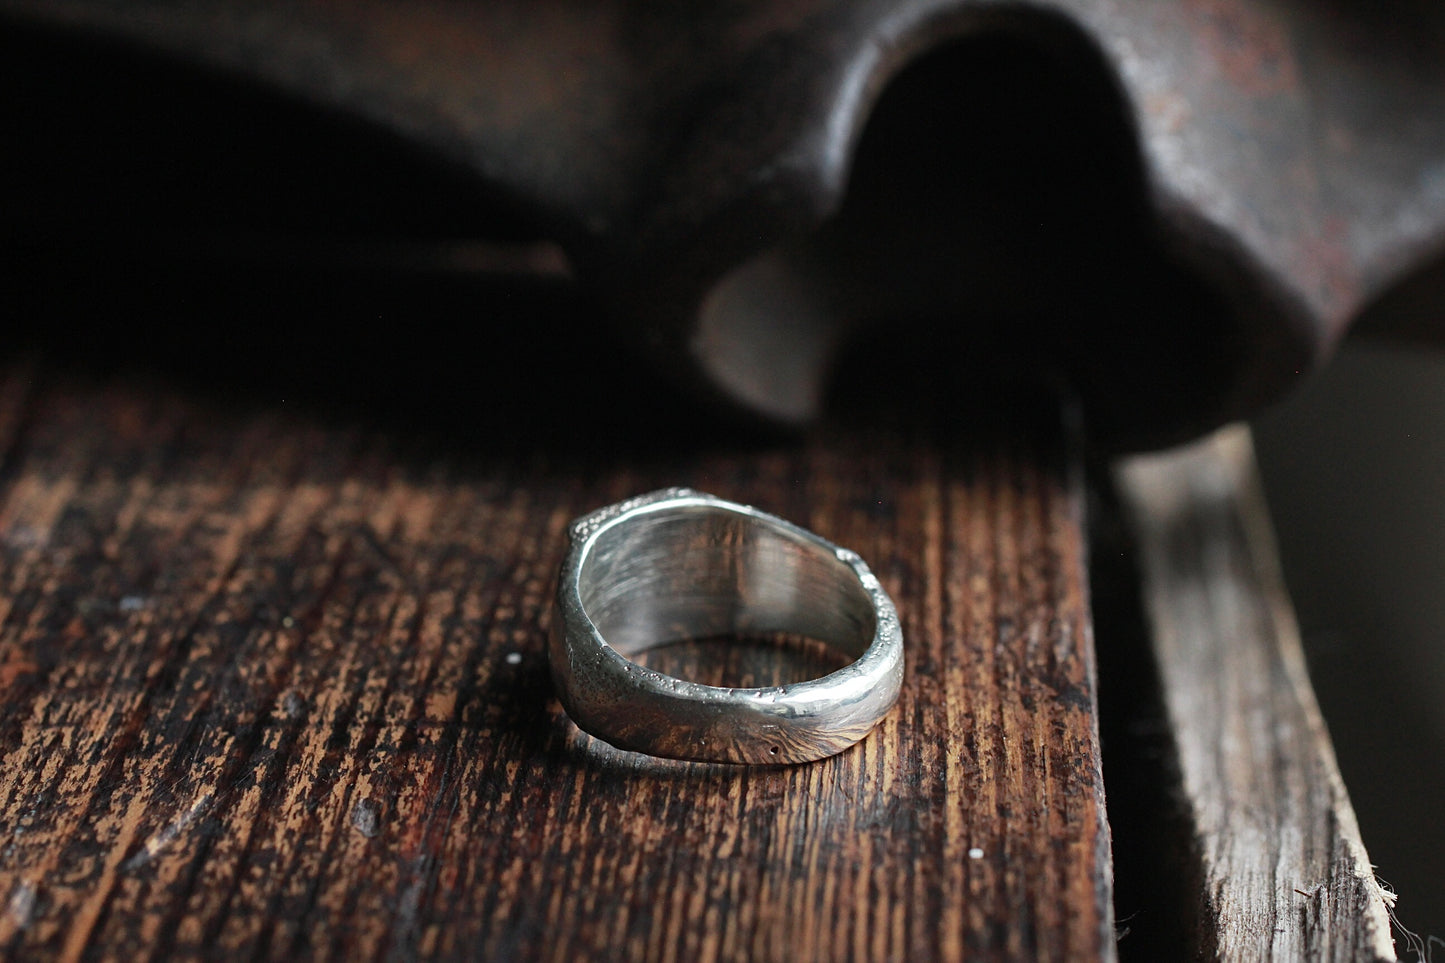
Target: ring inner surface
<point x="700" y="571"/>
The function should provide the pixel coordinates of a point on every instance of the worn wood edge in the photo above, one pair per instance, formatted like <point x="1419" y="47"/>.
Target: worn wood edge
<point x="1285" y="873"/>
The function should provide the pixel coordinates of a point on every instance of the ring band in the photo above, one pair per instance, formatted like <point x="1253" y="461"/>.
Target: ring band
<point x="679" y="564"/>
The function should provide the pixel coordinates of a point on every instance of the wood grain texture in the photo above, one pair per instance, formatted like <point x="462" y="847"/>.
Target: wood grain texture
<point x="1283" y="871"/>
<point x="276" y="688"/>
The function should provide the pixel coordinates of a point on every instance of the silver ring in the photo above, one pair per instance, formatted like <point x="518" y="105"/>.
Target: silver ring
<point x="680" y="564"/>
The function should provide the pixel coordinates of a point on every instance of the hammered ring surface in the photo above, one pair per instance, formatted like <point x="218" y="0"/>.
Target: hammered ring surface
<point x="679" y="564"/>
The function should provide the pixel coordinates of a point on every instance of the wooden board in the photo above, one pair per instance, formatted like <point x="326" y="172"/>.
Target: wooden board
<point x="274" y="686"/>
<point x="1274" y="853"/>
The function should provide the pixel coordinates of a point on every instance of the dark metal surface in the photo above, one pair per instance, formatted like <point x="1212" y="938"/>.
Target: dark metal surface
<point x="1175" y="208"/>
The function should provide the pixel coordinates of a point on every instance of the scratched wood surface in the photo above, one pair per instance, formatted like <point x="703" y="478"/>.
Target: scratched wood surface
<point x="274" y="686"/>
<point x="1273" y="852"/>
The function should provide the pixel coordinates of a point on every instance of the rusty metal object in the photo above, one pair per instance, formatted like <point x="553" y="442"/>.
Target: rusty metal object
<point x="1175" y="208"/>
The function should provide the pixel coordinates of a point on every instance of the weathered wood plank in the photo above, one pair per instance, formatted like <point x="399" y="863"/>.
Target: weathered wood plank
<point x="1283" y="872"/>
<point x="277" y="688"/>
